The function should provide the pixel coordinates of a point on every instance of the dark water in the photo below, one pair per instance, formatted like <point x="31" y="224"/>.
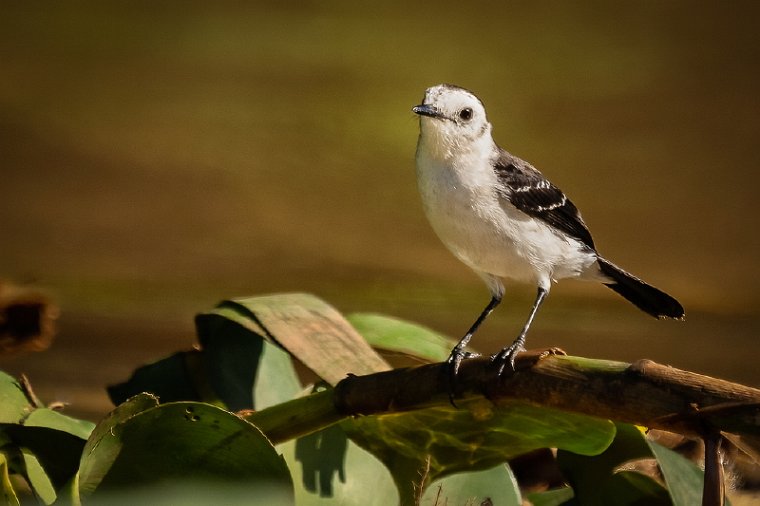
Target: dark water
<point x="159" y="158"/>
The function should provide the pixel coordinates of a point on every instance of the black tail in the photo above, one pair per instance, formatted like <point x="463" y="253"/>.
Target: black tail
<point x="645" y="297"/>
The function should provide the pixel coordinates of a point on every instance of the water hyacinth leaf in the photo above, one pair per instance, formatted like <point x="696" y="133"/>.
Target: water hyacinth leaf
<point x="53" y="419"/>
<point x="328" y="468"/>
<point x="103" y="445"/>
<point x="554" y="497"/>
<point x="393" y="334"/>
<point x="38" y="479"/>
<point x="276" y="378"/>
<point x="57" y="451"/>
<point x="684" y="479"/>
<point x="194" y="443"/>
<point x="313" y="332"/>
<point x="490" y="486"/>
<point x="632" y="487"/>
<point x="231" y="352"/>
<point x="192" y="493"/>
<point x="586" y="474"/>
<point x="244" y="368"/>
<point x="9" y="495"/>
<point x="478" y="436"/>
<point x="14" y="405"/>
<point x="598" y="481"/>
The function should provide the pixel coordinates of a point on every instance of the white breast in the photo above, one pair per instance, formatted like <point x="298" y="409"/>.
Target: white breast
<point x="487" y="234"/>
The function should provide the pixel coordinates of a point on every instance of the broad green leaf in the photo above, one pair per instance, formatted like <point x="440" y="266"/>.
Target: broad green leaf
<point x="312" y="331"/>
<point x="231" y="353"/>
<point x="684" y="479"/>
<point x="52" y="419"/>
<point x="14" y="405"/>
<point x="244" y="369"/>
<point x="190" y="442"/>
<point x="9" y="495"/>
<point x="554" y="497"/>
<point x="56" y="450"/>
<point x="393" y="334"/>
<point x="276" y="378"/>
<point x="49" y="442"/>
<point x="328" y="468"/>
<point x="497" y="485"/>
<point x="478" y="436"/>
<point x="104" y="445"/>
<point x="190" y="492"/>
<point x="598" y="481"/>
<point x="37" y="477"/>
<point x="634" y="488"/>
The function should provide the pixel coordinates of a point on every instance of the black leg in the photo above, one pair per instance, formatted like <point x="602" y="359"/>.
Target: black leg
<point x="458" y="353"/>
<point x="507" y="355"/>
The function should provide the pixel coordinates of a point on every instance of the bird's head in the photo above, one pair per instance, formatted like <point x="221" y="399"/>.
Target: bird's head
<point x="452" y="119"/>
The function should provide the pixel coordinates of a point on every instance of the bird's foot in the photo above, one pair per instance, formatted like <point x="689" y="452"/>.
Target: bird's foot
<point x="453" y="363"/>
<point x="506" y="357"/>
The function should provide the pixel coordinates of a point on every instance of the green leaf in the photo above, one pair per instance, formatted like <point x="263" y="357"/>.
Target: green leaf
<point x="52" y="419"/>
<point x="397" y="335"/>
<point x="478" y="436"/>
<point x="188" y="442"/>
<point x="328" y="468"/>
<point x="14" y="405"/>
<point x="47" y="441"/>
<point x="244" y="369"/>
<point x="497" y="485"/>
<point x="598" y="480"/>
<point x="231" y="353"/>
<point x="56" y="450"/>
<point x="37" y="477"/>
<point x="684" y="479"/>
<point x="634" y="488"/>
<point x="276" y="378"/>
<point x="104" y="445"/>
<point x="9" y="495"/>
<point x="554" y="497"/>
<point x="310" y="330"/>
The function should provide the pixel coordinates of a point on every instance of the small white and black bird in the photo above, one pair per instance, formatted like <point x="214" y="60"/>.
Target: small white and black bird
<point x="503" y="219"/>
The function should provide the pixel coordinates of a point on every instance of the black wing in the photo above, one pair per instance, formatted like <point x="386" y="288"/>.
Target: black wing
<point x="530" y="192"/>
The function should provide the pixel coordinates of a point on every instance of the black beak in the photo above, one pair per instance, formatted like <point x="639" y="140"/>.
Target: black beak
<point x="427" y="110"/>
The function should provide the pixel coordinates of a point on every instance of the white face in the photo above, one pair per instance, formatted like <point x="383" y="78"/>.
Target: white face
<point x="452" y="117"/>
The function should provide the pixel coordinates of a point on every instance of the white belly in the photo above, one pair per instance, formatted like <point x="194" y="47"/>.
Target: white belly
<point x="489" y="235"/>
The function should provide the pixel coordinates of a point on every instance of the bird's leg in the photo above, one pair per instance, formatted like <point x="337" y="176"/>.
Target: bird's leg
<point x="458" y="353"/>
<point x="507" y="355"/>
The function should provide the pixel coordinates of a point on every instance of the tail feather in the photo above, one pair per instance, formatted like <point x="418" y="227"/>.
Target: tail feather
<point x="645" y="297"/>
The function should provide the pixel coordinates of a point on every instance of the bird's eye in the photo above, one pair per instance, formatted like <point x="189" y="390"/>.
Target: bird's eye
<point x="465" y="114"/>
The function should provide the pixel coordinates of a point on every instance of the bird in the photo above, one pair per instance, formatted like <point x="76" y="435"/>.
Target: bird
<point x="503" y="219"/>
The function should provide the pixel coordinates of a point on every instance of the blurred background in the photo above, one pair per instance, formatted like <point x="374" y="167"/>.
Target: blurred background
<point x="159" y="157"/>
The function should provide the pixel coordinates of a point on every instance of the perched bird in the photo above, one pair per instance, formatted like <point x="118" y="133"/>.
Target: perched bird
<point x="504" y="220"/>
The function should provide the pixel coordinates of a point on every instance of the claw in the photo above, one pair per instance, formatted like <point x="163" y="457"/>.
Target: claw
<point x="507" y="356"/>
<point x="453" y="362"/>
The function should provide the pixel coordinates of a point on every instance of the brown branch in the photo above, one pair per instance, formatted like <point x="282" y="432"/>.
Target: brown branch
<point x="643" y="393"/>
